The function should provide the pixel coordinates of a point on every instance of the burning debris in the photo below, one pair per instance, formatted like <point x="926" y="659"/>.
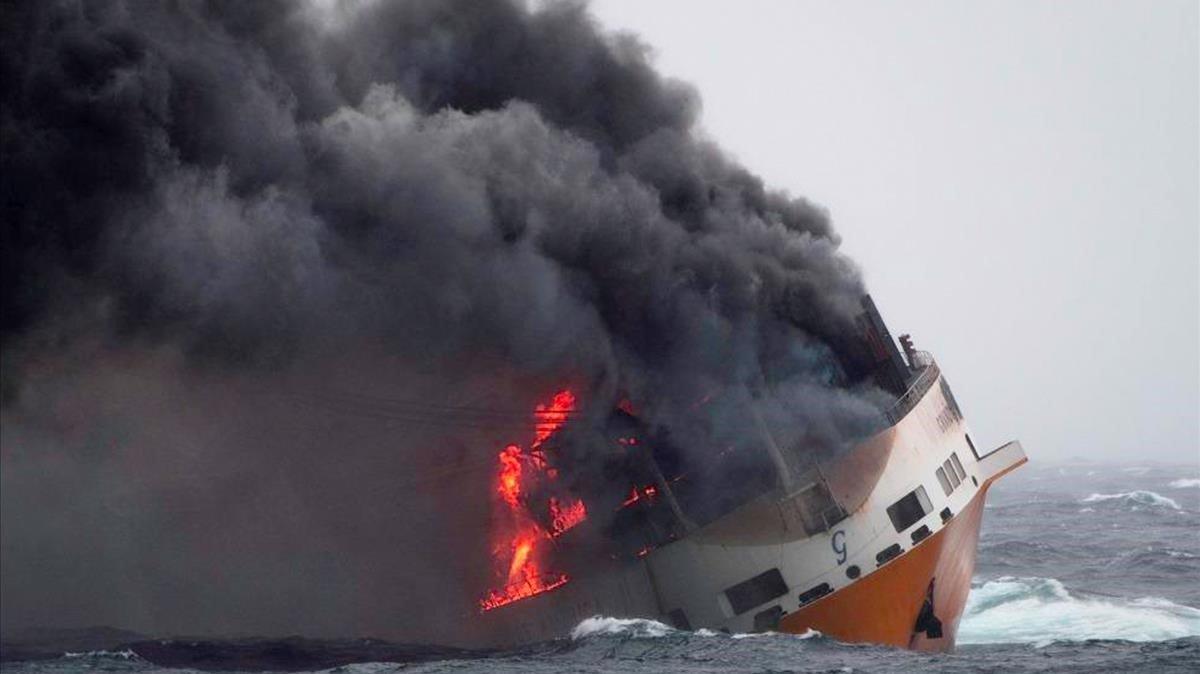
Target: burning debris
<point x="255" y="195"/>
<point x="562" y="518"/>
<point x="635" y="495"/>
<point x="522" y="544"/>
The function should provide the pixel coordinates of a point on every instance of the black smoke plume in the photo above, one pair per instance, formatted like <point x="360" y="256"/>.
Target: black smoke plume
<point x="263" y="262"/>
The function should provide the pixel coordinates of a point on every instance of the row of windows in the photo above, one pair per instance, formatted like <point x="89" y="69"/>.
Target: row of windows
<point x="757" y="591"/>
<point x="904" y="513"/>
<point x="951" y="474"/>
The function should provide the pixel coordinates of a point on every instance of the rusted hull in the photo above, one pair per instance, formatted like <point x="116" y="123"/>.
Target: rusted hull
<point x="885" y="606"/>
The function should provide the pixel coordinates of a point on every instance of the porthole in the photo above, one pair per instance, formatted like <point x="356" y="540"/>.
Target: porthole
<point x="853" y="571"/>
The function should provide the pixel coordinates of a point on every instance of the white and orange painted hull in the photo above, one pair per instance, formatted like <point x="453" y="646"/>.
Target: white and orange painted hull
<point x="865" y="578"/>
<point x="882" y="608"/>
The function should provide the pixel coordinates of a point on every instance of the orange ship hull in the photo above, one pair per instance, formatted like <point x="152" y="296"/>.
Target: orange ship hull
<point x="886" y="606"/>
<point x="877" y="545"/>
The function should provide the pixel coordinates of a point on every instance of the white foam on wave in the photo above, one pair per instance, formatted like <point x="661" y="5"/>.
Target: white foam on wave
<point x="1135" y="497"/>
<point x="638" y="628"/>
<point x="123" y="655"/>
<point x="1040" y="611"/>
<point x="808" y="634"/>
<point x="365" y="668"/>
<point x="1185" y="482"/>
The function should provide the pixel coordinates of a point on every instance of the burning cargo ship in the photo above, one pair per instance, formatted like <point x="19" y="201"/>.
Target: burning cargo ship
<point x="875" y="544"/>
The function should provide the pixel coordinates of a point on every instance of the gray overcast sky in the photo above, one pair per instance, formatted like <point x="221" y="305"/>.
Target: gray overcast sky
<point x="1019" y="181"/>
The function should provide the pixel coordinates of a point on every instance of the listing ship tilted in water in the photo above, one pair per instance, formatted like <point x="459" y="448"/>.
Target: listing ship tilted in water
<point x="875" y="544"/>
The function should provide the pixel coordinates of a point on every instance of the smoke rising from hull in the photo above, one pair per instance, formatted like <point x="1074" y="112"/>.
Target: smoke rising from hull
<point x="221" y="217"/>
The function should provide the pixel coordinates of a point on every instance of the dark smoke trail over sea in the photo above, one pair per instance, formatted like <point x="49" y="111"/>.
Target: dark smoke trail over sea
<point x="233" y="232"/>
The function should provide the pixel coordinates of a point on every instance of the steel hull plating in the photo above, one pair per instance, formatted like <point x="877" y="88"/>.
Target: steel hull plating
<point x="892" y="566"/>
<point x="883" y="608"/>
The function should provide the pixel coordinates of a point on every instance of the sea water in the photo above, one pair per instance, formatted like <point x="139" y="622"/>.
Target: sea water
<point x="1081" y="568"/>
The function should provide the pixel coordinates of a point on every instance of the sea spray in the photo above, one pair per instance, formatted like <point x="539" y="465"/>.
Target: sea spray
<point x="1136" y="497"/>
<point x="1042" y="610"/>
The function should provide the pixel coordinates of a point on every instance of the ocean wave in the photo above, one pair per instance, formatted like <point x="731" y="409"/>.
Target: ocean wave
<point x="1136" y="497"/>
<point x="637" y="628"/>
<point x="809" y="633"/>
<point x="1185" y="482"/>
<point x="114" y="655"/>
<point x="640" y="628"/>
<point x="1156" y="560"/>
<point x="1041" y="611"/>
<point x="370" y="667"/>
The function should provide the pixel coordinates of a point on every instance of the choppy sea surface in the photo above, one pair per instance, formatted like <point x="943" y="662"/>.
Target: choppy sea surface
<point x="1082" y="568"/>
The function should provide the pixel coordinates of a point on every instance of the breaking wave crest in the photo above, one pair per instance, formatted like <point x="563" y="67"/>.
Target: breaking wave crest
<point x="1137" y="497"/>
<point x="640" y="628"/>
<point x="1007" y="610"/>
<point x="1185" y="482"/>
<point x="637" y="628"/>
<point x="1041" y="611"/>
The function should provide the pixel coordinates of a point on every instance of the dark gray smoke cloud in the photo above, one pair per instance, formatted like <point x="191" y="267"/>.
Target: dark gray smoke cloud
<point x="223" y="220"/>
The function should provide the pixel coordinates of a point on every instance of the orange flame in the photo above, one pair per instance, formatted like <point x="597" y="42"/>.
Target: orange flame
<point x="520" y="564"/>
<point x="551" y="417"/>
<point x="635" y="495"/>
<point x="522" y="590"/>
<point x="521" y="554"/>
<point x="509" y="482"/>
<point x="563" y="519"/>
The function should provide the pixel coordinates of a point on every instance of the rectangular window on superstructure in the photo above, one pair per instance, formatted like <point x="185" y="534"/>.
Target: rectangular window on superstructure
<point x="910" y="509"/>
<point x="962" y="474"/>
<point x="942" y="480"/>
<point x="955" y="480"/>
<point x="758" y="590"/>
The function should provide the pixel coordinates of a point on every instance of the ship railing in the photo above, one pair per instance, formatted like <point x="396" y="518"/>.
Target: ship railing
<point x="523" y="589"/>
<point x="929" y="373"/>
<point x="807" y="500"/>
